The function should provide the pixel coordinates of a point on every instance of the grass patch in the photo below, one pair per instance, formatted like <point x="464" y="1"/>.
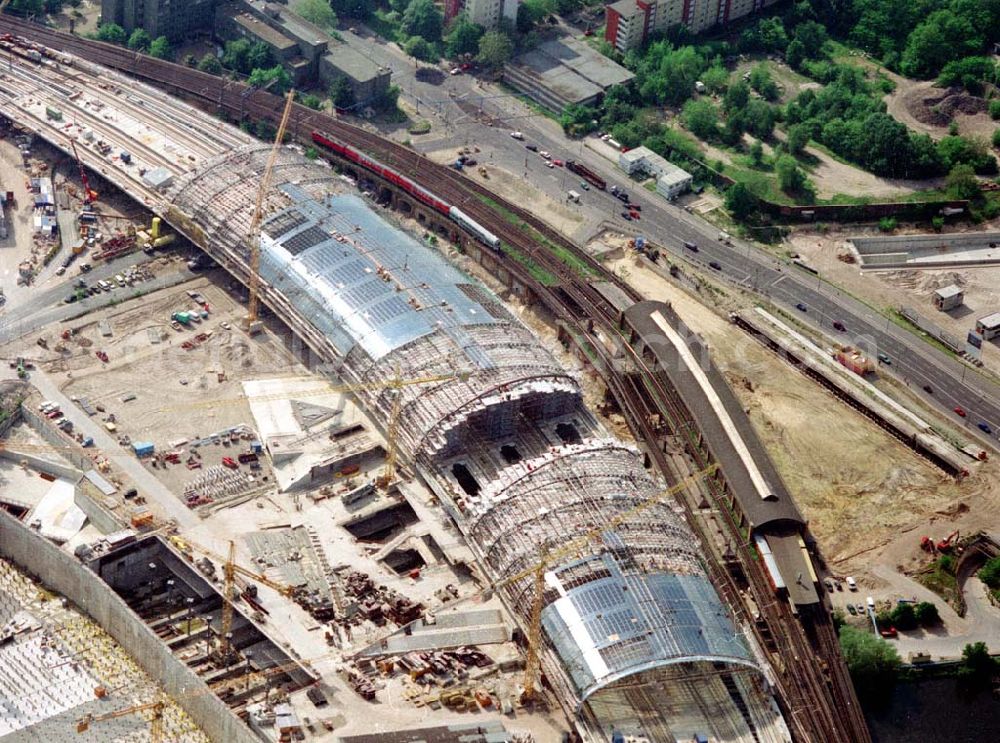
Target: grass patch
<point x="938" y="578"/>
<point x="572" y="260"/>
<point x="902" y="322"/>
<point x="421" y="127"/>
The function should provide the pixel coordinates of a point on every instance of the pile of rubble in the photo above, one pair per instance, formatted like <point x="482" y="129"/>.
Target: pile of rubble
<point x="377" y="603"/>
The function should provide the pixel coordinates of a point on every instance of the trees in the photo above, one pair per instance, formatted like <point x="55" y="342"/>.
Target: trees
<point x="189" y="60"/>
<point x="531" y="12"/>
<point x="495" y="49"/>
<point x="320" y="12"/>
<point x="210" y="64"/>
<point x="989" y="573"/>
<point x="798" y="138"/>
<point x="111" y="33"/>
<point x="423" y="18"/>
<point x="925" y="612"/>
<point x="667" y="75"/>
<point x="740" y="202"/>
<point x="312" y="101"/>
<point x="736" y="98"/>
<point x="904" y="617"/>
<point x="360" y="9"/>
<point x="160" y="48"/>
<point x="577" y="120"/>
<point x="955" y="150"/>
<point x="977" y="665"/>
<point x="419" y="48"/>
<point x="791" y="179"/>
<point x="260" y="55"/>
<point x="275" y="79"/>
<point x="236" y="55"/>
<point x="962" y="183"/>
<point x="756" y="153"/>
<point x="763" y="83"/>
<point x="462" y="37"/>
<point x="942" y="37"/>
<point x="341" y="92"/>
<point x="758" y="118"/>
<point x="27" y="7"/>
<point x="995" y="108"/>
<point x="701" y="119"/>
<point x="139" y="41"/>
<point x="716" y="78"/>
<point x="996" y="138"/>
<point x="872" y="661"/>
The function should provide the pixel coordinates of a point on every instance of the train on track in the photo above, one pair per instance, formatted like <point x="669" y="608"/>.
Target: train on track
<point x="417" y="191"/>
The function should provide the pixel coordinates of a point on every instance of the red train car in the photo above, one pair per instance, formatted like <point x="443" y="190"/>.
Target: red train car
<point x="384" y="171"/>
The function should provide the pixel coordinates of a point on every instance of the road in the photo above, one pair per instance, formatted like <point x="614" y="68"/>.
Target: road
<point x="453" y="103"/>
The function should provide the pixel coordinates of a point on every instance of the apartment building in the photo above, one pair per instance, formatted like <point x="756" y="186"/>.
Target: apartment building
<point x="629" y="22"/>
<point x="487" y="13"/>
<point x="174" y="19"/>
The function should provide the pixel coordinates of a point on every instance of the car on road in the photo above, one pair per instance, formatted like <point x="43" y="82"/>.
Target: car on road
<point x="532" y="147"/>
<point x="691" y="246"/>
<point x="884" y="358"/>
<point x="560" y="163"/>
<point x="70" y="299"/>
<point x="801" y="307"/>
<point x="959" y="411"/>
<point x="626" y="216"/>
<point x="517" y="135"/>
<point x="838" y="325"/>
<point x="984" y="427"/>
<point x="716" y="265"/>
<point x="584" y="185"/>
<point x="928" y="389"/>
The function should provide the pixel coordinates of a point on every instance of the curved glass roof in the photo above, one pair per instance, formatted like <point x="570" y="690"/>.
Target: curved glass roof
<point x="360" y="280"/>
<point x="626" y="622"/>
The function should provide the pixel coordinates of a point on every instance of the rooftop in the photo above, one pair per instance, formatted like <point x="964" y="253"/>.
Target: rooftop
<point x="256" y="27"/>
<point x="951" y="290"/>
<point x="990" y="321"/>
<point x="571" y="69"/>
<point x="297" y="26"/>
<point x="353" y="63"/>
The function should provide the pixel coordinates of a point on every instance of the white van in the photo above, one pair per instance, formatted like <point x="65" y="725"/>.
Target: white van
<point x="573" y="196"/>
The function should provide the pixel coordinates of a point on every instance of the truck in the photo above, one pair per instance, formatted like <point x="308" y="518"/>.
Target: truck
<point x="587" y="174"/>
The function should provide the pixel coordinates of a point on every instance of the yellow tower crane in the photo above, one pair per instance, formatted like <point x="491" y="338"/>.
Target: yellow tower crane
<point x="253" y="305"/>
<point x="155" y="721"/>
<point x="230" y="569"/>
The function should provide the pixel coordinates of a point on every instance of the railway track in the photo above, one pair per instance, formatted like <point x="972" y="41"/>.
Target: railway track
<point x="820" y="706"/>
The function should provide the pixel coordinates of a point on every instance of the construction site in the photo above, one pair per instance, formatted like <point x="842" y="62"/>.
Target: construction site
<point x="320" y="483"/>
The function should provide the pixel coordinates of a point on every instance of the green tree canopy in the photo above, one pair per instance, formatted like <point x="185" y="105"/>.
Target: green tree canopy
<point x="112" y="33"/>
<point x="740" y="202"/>
<point x="341" y="92"/>
<point x="236" y="55"/>
<point x="977" y="664"/>
<point x="736" y="98"/>
<point x="495" y="49"/>
<point x="259" y="55"/>
<point x="790" y="176"/>
<point x="462" y="38"/>
<point x="872" y="661"/>
<point x="962" y="183"/>
<point x="927" y="614"/>
<point x="798" y="138"/>
<point x="667" y="75"/>
<point x="423" y="18"/>
<point x="275" y="79"/>
<point x="419" y="48"/>
<point x="989" y="573"/>
<point x="701" y="119"/>
<point x="160" y="48"/>
<point x="139" y="41"/>
<point x="319" y="12"/>
<point x="210" y="64"/>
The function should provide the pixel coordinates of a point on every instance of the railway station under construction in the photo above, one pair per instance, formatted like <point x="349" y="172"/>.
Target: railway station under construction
<point x="577" y="535"/>
<point x="636" y="637"/>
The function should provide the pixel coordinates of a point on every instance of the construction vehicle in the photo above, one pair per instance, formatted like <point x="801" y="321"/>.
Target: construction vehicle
<point x="927" y="544"/>
<point x="252" y="323"/>
<point x="155" y="721"/>
<point x="948" y="543"/>
<point x="89" y="194"/>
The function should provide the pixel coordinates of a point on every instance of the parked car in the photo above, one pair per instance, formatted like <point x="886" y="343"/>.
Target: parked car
<point x="884" y="358"/>
<point x="691" y="246"/>
<point x="984" y="427"/>
<point x="545" y="154"/>
<point x="801" y="307"/>
<point x="851" y="583"/>
<point x="626" y="216"/>
<point x="517" y="135"/>
<point x="716" y="265"/>
<point x="959" y="411"/>
<point x="558" y="162"/>
<point x="852" y="610"/>
<point x="928" y="389"/>
<point x="532" y="147"/>
<point x="584" y="185"/>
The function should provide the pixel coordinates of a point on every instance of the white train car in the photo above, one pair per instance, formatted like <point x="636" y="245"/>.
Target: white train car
<point x="471" y="225"/>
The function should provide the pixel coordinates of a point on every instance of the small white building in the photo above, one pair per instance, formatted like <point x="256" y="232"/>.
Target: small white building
<point x="948" y="297"/>
<point x="671" y="180"/>
<point x="988" y="327"/>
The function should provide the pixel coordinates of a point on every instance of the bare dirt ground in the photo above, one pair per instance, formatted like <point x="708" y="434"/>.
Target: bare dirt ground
<point x="858" y="487"/>
<point x="929" y="109"/>
<point x="893" y="289"/>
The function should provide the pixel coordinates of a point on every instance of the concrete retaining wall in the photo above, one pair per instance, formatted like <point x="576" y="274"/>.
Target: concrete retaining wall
<point x="64" y="574"/>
